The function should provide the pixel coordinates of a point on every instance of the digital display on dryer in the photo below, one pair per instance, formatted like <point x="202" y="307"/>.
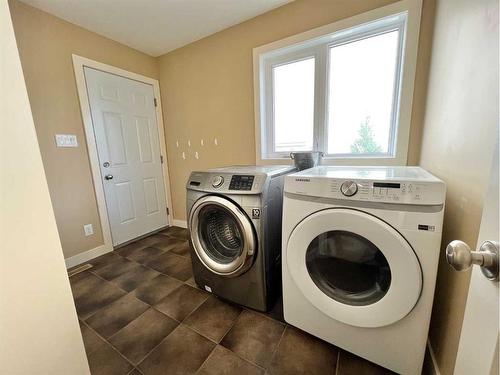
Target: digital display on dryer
<point x="241" y="182"/>
<point x="390" y="185"/>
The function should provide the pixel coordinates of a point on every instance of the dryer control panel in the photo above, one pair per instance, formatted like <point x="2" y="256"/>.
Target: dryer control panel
<point x="388" y="192"/>
<point x="419" y="188"/>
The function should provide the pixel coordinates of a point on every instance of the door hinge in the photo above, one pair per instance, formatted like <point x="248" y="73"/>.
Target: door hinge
<point x="155" y="102"/>
<point x="161" y="159"/>
<point x="168" y="210"/>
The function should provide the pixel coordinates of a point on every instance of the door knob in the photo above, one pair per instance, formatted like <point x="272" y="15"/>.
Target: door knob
<point x="108" y="177"/>
<point x="460" y="256"/>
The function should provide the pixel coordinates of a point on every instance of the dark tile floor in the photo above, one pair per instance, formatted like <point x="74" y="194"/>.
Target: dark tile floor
<point x="141" y="313"/>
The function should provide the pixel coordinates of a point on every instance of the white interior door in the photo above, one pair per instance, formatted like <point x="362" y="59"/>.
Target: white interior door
<point x="126" y="133"/>
<point x="478" y="348"/>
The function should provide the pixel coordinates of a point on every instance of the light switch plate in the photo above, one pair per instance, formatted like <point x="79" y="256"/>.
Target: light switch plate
<point x="66" y="140"/>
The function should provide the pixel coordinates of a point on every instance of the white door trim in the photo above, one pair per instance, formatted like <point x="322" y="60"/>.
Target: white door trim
<point x="79" y="63"/>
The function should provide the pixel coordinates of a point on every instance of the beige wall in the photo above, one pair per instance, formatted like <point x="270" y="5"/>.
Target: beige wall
<point x="38" y="323"/>
<point x="46" y="44"/>
<point x="207" y="87"/>
<point x="458" y="141"/>
<point x="207" y="93"/>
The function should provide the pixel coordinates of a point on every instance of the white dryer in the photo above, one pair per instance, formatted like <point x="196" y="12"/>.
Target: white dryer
<point x="360" y="254"/>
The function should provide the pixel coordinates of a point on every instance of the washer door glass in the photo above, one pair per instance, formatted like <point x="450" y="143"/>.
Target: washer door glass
<point x="348" y="268"/>
<point x="220" y="234"/>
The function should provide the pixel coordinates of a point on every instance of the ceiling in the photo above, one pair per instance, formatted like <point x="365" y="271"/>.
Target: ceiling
<point x="155" y="26"/>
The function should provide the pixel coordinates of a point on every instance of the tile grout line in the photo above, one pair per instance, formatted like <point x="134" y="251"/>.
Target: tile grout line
<point x="338" y="362"/>
<point x="133" y="320"/>
<point x="179" y="323"/>
<point x="127" y="292"/>
<point x="277" y="346"/>
<point x="231" y="327"/>
<point x="166" y="315"/>
<point x="148" y="353"/>
<point x="82" y="320"/>
<point x="107" y="342"/>
<point x="135" y="366"/>
<point x="161" y="273"/>
<point x="206" y="359"/>
<point x="245" y="360"/>
<point x="264" y="315"/>
<point x="195" y="309"/>
<point x="236" y="354"/>
<point x="219" y="343"/>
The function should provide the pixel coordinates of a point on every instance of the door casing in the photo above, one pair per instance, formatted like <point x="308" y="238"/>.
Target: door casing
<point x="79" y="63"/>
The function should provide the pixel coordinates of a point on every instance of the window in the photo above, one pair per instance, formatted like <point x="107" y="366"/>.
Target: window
<point x="293" y="98"/>
<point x="361" y="94"/>
<point x="346" y="93"/>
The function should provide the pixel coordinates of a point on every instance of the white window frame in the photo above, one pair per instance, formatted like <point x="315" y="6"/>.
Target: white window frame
<point x="404" y="15"/>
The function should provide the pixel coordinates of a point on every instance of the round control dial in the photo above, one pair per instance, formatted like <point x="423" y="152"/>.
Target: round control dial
<point x="349" y="188"/>
<point x="217" y="181"/>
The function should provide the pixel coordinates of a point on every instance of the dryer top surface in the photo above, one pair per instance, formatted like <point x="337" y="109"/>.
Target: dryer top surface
<point x="370" y="173"/>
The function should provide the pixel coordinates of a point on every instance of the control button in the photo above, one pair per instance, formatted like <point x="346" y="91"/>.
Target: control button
<point x="383" y="191"/>
<point x="217" y="181"/>
<point x="349" y="188"/>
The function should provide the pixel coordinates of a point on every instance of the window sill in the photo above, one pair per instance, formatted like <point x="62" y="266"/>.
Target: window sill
<point x="381" y="161"/>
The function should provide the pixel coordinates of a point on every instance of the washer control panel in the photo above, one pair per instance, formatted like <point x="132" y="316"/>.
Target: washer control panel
<point x="226" y="183"/>
<point x="241" y="182"/>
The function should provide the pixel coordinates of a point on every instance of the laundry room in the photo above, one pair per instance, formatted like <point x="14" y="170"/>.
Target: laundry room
<point x="249" y="187"/>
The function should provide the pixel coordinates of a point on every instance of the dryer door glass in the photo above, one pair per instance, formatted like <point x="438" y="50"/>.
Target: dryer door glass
<point x="220" y="234"/>
<point x="348" y="268"/>
<point x="353" y="267"/>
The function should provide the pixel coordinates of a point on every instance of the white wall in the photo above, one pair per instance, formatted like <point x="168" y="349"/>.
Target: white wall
<point x="39" y="332"/>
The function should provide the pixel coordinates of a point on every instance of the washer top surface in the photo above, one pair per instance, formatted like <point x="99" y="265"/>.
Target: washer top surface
<point x="238" y="179"/>
<point x="253" y="169"/>
<point x="369" y="173"/>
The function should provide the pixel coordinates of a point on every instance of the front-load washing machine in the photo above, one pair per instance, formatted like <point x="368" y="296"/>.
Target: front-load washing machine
<point x="360" y="254"/>
<point x="234" y="218"/>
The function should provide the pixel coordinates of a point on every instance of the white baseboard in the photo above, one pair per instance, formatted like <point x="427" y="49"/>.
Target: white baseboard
<point x="77" y="259"/>
<point x="179" y="223"/>
<point x="433" y="363"/>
